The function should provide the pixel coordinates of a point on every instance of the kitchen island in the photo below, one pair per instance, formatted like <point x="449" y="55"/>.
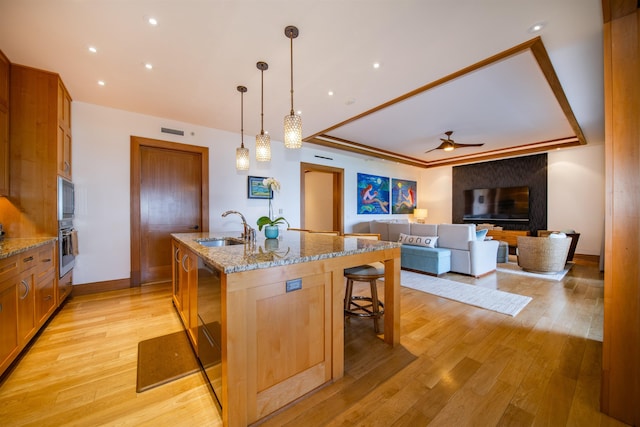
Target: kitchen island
<point x="281" y="313"/>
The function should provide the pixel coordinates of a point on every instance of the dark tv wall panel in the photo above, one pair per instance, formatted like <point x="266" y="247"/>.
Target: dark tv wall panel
<point x="530" y="171"/>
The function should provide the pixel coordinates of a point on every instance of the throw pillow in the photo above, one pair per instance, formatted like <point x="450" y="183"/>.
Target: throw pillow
<point x="555" y="235"/>
<point x="481" y="234"/>
<point x="426" y="241"/>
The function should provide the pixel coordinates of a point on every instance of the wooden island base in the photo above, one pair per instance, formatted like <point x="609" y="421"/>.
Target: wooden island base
<point x="283" y="327"/>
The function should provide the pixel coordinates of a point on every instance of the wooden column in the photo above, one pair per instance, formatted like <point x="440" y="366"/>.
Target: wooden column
<point x="620" y="392"/>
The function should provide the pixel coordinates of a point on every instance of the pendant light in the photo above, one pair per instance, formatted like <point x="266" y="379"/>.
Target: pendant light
<point x="263" y="141"/>
<point x="292" y="122"/>
<point x="242" y="153"/>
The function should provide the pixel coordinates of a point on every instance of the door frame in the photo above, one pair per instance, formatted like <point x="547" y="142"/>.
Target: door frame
<point x="338" y="192"/>
<point x="137" y="142"/>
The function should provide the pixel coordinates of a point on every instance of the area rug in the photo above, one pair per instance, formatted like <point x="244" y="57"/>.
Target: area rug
<point x="164" y="359"/>
<point x="513" y="268"/>
<point x="489" y="299"/>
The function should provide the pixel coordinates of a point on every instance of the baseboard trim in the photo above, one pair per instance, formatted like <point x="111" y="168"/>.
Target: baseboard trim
<point x="586" y="259"/>
<point x="98" y="287"/>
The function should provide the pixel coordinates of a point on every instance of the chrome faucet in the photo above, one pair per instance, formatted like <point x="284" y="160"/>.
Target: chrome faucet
<point x="249" y="234"/>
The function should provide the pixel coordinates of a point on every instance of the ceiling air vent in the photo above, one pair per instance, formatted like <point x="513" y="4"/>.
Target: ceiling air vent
<point x="172" y="131"/>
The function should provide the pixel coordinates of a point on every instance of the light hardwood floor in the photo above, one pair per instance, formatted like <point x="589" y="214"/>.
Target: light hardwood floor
<point x="456" y="365"/>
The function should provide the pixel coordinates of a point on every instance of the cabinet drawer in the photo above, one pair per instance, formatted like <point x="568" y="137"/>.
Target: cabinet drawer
<point x="27" y="260"/>
<point x="46" y="258"/>
<point x="9" y="267"/>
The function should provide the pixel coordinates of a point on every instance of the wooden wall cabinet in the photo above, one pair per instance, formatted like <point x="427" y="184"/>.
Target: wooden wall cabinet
<point x="40" y="147"/>
<point x="4" y="124"/>
<point x="64" y="131"/>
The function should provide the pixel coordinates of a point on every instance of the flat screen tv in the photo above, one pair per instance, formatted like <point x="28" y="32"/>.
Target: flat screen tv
<point x="497" y="204"/>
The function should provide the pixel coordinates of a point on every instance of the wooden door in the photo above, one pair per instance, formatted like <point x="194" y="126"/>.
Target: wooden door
<point x="169" y="194"/>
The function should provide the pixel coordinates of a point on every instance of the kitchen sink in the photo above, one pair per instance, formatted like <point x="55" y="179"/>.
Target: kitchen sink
<point x="220" y="241"/>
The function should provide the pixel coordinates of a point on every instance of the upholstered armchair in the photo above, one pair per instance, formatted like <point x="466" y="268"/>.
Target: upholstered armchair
<point x="543" y="254"/>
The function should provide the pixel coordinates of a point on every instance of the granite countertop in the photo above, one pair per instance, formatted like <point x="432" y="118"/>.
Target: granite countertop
<point x="291" y="247"/>
<point x="15" y="245"/>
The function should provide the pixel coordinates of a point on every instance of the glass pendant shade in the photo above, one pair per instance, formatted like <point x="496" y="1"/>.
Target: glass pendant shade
<point x="292" y="131"/>
<point x="263" y="147"/>
<point x="263" y="140"/>
<point x="242" y="153"/>
<point x="292" y="122"/>
<point x="242" y="158"/>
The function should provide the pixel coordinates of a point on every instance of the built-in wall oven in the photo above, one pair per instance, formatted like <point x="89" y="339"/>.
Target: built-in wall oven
<point x="67" y="236"/>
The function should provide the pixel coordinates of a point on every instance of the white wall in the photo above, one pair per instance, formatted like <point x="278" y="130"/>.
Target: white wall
<point x="101" y="165"/>
<point x="101" y="172"/>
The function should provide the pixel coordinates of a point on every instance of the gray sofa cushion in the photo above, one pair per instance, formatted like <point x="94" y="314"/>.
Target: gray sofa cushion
<point x="424" y="229"/>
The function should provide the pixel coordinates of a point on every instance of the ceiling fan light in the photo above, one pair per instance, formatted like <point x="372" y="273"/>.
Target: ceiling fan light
<point x="263" y="147"/>
<point x="292" y="131"/>
<point x="448" y="147"/>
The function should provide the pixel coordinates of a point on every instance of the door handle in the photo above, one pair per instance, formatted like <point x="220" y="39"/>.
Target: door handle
<point x="26" y="289"/>
<point x="195" y="227"/>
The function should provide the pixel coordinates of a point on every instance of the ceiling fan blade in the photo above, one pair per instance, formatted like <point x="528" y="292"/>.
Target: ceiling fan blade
<point x="456" y="145"/>
<point x="439" y="147"/>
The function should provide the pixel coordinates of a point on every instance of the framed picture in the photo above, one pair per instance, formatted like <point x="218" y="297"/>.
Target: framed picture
<point x="256" y="189"/>
<point x="403" y="196"/>
<point x="373" y="194"/>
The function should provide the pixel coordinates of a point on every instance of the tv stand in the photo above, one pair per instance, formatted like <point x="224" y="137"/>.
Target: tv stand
<point x="509" y="236"/>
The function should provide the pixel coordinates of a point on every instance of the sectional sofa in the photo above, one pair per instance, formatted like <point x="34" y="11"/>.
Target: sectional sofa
<point x="439" y="248"/>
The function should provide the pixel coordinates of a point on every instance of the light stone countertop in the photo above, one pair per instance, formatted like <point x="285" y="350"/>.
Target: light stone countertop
<point x="10" y="246"/>
<point x="291" y="247"/>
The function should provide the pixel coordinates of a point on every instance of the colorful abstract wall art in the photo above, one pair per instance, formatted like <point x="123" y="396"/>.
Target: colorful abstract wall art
<point x="373" y="194"/>
<point x="403" y="196"/>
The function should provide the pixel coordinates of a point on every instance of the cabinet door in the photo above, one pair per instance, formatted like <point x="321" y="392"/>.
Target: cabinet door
<point x="45" y="298"/>
<point x="26" y="307"/>
<point x="177" y="275"/>
<point x="192" y="316"/>
<point x="4" y="125"/>
<point x="64" y="131"/>
<point x="64" y="287"/>
<point x="8" y="325"/>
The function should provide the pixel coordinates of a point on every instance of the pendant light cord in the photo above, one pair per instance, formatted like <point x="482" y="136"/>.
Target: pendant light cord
<point x="291" y="40"/>
<point x="242" y="119"/>
<point x="261" y="101"/>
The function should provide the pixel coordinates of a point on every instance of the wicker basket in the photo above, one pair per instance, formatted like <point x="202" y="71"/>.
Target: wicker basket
<point x="542" y="254"/>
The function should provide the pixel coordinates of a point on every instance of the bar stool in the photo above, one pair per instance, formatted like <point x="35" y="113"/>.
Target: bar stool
<point x="360" y="305"/>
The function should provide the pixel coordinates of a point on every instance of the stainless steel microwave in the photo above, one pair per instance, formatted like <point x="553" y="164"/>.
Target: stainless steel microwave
<point x="66" y="199"/>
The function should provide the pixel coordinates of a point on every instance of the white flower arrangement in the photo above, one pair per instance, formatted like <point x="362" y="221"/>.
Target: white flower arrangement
<point x="274" y="185"/>
<point x="271" y="183"/>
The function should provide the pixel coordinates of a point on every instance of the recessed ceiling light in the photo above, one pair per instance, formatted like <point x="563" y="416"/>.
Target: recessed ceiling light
<point x="330" y="93"/>
<point x="153" y="21"/>
<point x="92" y="49"/>
<point x="101" y="82"/>
<point x="376" y="65"/>
<point x="537" y="27"/>
<point x="148" y="66"/>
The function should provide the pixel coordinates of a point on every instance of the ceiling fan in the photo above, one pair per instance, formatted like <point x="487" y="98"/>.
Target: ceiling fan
<point x="449" y="144"/>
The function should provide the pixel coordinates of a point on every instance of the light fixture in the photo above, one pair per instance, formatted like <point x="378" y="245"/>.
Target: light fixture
<point x="447" y="146"/>
<point x="263" y="141"/>
<point x="420" y="215"/>
<point x="292" y="122"/>
<point x="242" y="153"/>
